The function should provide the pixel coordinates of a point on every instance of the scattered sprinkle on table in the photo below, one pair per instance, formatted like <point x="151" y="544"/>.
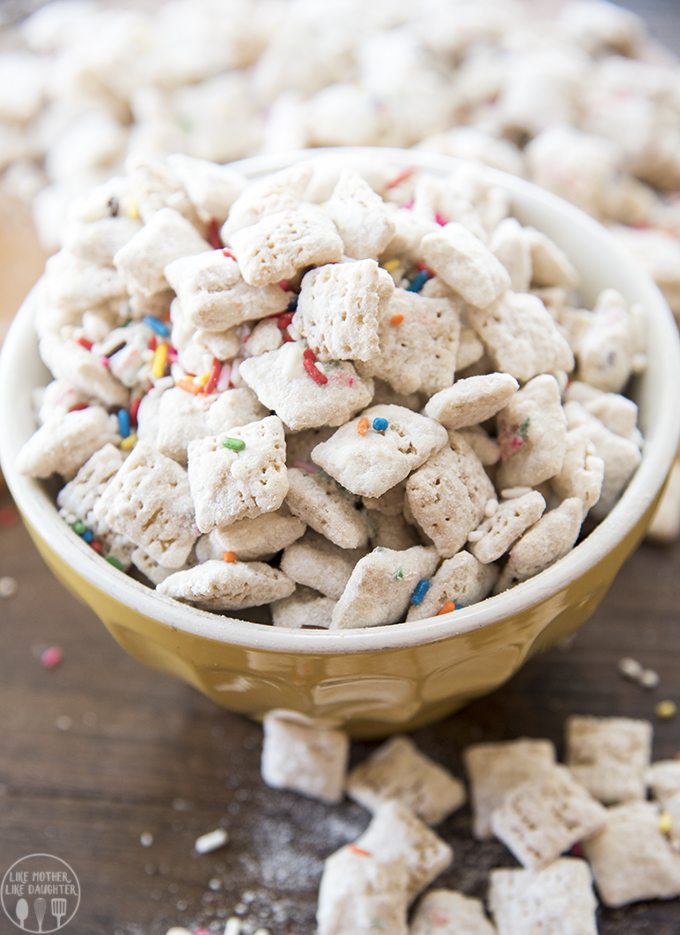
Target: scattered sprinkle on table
<point x="8" y="586"/>
<point x="630" y="668"/>
<point x="51" y="657"/>
<point x="211" y="841"/>
<point x="146" y="839"/>
<point x="64" y="722"/>
<point x="234" y="444"/>
<point x="649" y="678"/>
<point x="666" y="709"/>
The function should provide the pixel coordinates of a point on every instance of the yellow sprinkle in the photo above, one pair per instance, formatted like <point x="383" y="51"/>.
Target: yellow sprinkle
<point x="203" y="379"/>
<point x="666" y="709"/>
<point x="160" y="360"/>
<point x="665" y="823"/>
<point x="131" y="209"/>
<point x="391" y="265"/>
<point x="128" y="443"/>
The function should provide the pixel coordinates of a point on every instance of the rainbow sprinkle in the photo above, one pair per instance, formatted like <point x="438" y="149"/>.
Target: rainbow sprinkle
<point x="160" y="360"/>
<point x="123" y="423"/>
<point x="420" y="591"/>
<point x="156" y="325"/>
<point x="234" y="444"/>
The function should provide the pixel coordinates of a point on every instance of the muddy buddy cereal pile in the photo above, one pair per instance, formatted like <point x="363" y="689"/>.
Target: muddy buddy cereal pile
<point x="573" y="95"/>
<point x="356" y="393"/>
<point x="575" y="830"/>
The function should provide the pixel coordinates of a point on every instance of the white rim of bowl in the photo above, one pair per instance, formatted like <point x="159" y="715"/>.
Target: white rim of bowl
<point x="39" y="510"/>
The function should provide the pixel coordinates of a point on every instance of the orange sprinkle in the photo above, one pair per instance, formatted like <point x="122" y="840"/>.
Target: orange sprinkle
<point x="229" y="557"/>
<point x="186" y="383"/>
<point x="446" y="608"/>
<point x="362" y="427"/>
<point x="396" y="319"/>
<point x="355" y="849"/>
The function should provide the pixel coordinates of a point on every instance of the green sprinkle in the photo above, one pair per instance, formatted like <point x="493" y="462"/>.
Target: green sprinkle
<point x="234" y="444"/>
<point x="524" y="427"/>
<point x="399" y="574"/>
<point x="112" y="560"/>
<point x="79" y="527"/>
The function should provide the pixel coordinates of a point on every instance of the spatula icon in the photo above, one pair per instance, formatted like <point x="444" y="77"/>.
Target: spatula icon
<point x="22" y="912"/>
<point x="58" y="907"/>
<point x="40" y="908"/>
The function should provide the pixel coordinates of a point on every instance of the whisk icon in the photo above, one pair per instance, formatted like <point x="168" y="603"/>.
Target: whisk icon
<point x="58" y="907"/>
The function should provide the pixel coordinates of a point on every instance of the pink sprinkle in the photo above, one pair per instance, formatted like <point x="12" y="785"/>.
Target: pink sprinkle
<point x="51" y="657"/>
<point x="104" y="361"/>
<point x="351" y="381"/>
<point x="440" y="219"/>
<point x="224" y="378"/>
<point x="306" y="466"/>
<point x="285" y="285"/>
<point x="172" y="354"/>
<point x="407" y="205"/>
<point x="203" y="932"/>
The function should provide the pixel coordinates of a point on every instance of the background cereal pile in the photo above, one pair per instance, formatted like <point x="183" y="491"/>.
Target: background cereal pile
<point x="580" y="99"/>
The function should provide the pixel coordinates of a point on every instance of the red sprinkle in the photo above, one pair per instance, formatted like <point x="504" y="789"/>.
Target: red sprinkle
<point x="9" y="515"/>
<point x="423" y="268"/>
<point x="400" y="177"/>
<point x="284" y="319"/>
<point x="576" y="850"/>
<point x="228" y="254"/>
<point x="85" y="343"/>
<point x="96" y="545"/>
<point x="214" y="238"/>
<point x="309" y="363"/>
<point x="51" y="657"/>
<point x="214" y="377"/>
<point x="104" y="361"/>
<point x="153" y="343"/>
<point x="134" y="409"/>
<point x="355" y="849"/>
<point x="77" y="407"/>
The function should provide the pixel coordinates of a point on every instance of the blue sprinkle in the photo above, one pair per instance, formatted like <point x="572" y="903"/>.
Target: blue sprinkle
<point x="123" y="423"/>
<point x="156" y="325"/>
<point x="420" y="591"/>
<point x="418" y="281"/>
<point x="380" y="425"/>
<point x="292" y="304"/>
<point x="88" y="535"/>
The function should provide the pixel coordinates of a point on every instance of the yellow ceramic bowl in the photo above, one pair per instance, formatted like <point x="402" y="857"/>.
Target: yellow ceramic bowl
<point x="373" y="681"/>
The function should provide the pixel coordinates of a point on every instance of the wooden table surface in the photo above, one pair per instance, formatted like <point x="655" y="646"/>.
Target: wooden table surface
<point x="100" y="751"/>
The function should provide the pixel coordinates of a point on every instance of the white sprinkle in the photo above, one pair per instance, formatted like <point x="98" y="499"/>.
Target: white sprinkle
<point x="262" y="932"/>
<point x="510" y="493"/>
<point x="491" y="507"/>
<point x="177" y="930"/>
<point x="8" y="586"/>
<point x="146" y="839"/>
<point x="630" y="668"/>
<point x="649" y="679"/>
<point x="64" y="722"/>
<point x="212" y="841"/>
<point x="233" y="926"/>
<point x="475" y="535"/>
